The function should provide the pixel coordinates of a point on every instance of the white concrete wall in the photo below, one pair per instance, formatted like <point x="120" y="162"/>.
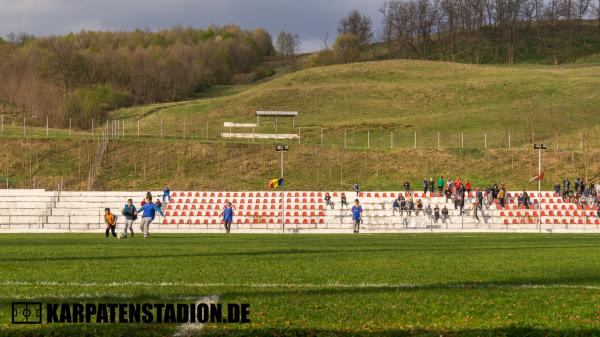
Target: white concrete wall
<point x="31" y="211"/>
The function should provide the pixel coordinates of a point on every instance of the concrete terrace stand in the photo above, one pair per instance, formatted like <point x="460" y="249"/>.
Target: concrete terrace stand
<point x="41" y="211"/>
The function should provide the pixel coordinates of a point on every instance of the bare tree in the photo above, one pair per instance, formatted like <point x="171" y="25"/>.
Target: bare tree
<point x="287" y="45"/>
<point x="356" y="24"/>
<point x="324" y="39"/>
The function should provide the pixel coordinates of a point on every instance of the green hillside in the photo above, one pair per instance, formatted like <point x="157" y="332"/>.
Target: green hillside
<point x="475" y="110"/>
<point x="408" y="96"/>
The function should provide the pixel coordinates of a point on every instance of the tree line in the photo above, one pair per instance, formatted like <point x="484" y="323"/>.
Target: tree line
<point x="79" y="77"/>
<point x="473" y="31"/>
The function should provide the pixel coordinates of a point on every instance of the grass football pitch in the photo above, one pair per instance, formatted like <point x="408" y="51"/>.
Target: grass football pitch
<point x="297" y="285"/>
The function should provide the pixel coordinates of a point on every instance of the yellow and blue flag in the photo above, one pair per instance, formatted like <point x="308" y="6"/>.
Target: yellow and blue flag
<point x="275" y="183"/>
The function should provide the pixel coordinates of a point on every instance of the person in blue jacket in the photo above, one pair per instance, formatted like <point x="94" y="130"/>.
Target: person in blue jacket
<point x="148" y="211"/>
<point x="227" y="215"/>
<point x="166" y="195"/>
<point x="357" y="215"/>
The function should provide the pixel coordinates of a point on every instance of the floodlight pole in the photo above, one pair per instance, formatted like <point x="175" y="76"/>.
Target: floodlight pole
<point x="281" y="149"/>
<point x="539" y="147"/>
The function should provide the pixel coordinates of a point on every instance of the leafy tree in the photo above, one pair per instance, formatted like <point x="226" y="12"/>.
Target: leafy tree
<point x="347" y="47"/>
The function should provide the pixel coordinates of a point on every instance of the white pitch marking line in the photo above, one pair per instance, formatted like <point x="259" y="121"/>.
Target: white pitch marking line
<point x="304" y="285"/>
<point x="194" y="329"/>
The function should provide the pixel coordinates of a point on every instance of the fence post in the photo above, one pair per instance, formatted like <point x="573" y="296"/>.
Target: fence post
<point x="207" y="129"/>
<point x="298" y="134"/>
<point x="321" y="136"/>
<point x="391" y="139"/>
<point x="462" y="140"/>
<point x="92" y="127"/>
<point x="345" y="138"/>
<point x="123" y="129"/>
<point x="69" y="126"/>
<point x="46" y="126"/>
<point x="368" y="139"/>
<point x="161" y="128"/>
<point x="138" y="128"/>
<point x="438" y="139"/>
<point x="485" y="140"/>
<point x="415" y="139"/>
<point x="509" y="140"/>
<point x="24" y="135"/>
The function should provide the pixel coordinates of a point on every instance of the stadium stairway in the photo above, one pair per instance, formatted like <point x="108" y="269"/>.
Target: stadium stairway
<point x="25" y="211"/>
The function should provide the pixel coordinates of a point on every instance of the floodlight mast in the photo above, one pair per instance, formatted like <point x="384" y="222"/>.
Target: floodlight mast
<point x="539" y="147"/>
<point x="281" y="149"/>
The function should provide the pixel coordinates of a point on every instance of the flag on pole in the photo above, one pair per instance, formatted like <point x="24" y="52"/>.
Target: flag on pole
<point x="275" y="183"/>
<point x="537" y="177"/>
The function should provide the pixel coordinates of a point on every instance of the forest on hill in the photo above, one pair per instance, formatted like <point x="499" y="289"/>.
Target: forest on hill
<point x="79" y="77"/>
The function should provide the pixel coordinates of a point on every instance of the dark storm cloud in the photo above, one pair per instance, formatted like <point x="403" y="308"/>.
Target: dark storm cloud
<point x="307" y="18"/>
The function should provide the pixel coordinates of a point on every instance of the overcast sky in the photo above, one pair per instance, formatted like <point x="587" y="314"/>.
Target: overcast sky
<point x="308" y="18"/>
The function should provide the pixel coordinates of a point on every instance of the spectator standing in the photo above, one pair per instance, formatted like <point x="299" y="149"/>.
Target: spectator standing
<point x="129" y="211"/>
<point x="461" y="199"/>
<point x="468" y="186"/>
<point x="479" y="197"/>
<point x="440" y="184"/>
<point x="166" y="194"/>
<point x="357" y="215"/>
<point x="436" y="213"/>
<point x="428" y="211"/>
<point x="501" y="196"/>
<point x="356" y="188"/>
<point x="406" y="186"/>
<point x="431" y="186"/>
<point x="557" y="188"/>
<point x="445" y="216"/>
<point x="475" y="208"/>
<point x="158" y="206"/>
<point x="425" y="185"/>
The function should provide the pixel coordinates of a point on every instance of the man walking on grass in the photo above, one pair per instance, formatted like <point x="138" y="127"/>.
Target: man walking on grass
<point x="227" y="215"/>
<point x="356" y="215"/>
<point x="129" y="212"/>
<point x="148" y="213"/>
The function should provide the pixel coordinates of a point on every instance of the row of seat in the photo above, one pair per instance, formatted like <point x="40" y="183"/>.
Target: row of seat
<point x="550" y="221"/>
<point x="549" y="213"/>
<point x="242" y="213"/>
<point x="244" y="201"/>
<point x="263" y="220"/>
<point x="241" y="207"/>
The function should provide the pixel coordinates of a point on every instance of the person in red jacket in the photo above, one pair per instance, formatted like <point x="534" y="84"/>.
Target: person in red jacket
<point x="468" y="186"/>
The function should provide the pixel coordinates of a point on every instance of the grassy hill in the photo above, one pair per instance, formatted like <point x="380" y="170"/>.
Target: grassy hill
<point x="409" y="96"/>
<point x="557" y="105"/>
